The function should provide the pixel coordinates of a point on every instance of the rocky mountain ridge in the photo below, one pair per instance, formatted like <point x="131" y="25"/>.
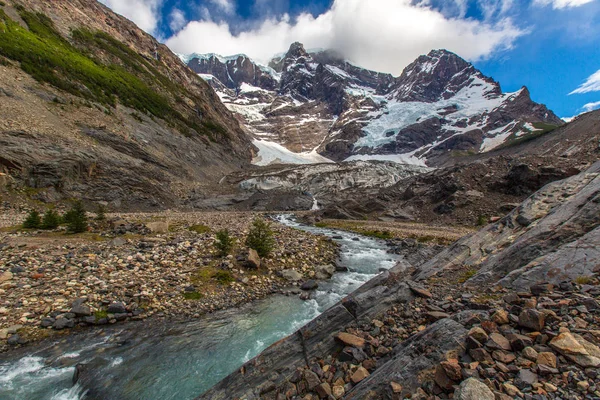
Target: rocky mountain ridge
<point x="94" y="108"/>
<point x="319" y="102"/>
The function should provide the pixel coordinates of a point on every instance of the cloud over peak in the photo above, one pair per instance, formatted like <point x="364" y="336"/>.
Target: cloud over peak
<point x="591" y="84"/>
<point x="384" y="35"/>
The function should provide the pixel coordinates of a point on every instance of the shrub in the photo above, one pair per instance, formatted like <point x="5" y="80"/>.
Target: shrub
<point x="76" y="218"/>
<point x="199" y="228"/>
<point x="482" y="220"/>
<point x="51" y="220"/>
<point x="224" y="242"/>
<point x="33" y="220"/>
<point x="192" y="295"/>
<point x="223" y="277"/>
<point x="260" y="237"/>
<point x="101" y="213"/>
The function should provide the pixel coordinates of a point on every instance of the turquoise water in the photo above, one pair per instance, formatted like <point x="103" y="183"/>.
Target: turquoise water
<point x="151" y="360"/>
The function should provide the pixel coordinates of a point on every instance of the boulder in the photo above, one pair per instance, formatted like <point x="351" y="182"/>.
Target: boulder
<point x="577" y="349"/>
<point x="350" y="340"/>
<point x="291" y="275"/>
<point x="80" y="309"/>
<point x="473" y="389"/>
<point x="253" y="260"/>
<point x="158" y="227"/>
<point x="323" y="272"/>
<point x="532" y="319"/>
<point x="116" y="308"/>
<point x="360" y="374"/>
<point x="311" y="284"/>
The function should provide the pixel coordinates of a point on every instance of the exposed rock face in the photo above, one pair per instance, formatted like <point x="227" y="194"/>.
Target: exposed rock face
<point x="546" y="239"/>
<point x="319" y="101"/>
<point x="69" y="144"/>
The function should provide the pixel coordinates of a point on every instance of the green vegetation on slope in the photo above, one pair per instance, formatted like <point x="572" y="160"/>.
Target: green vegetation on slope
<point x="541" y="129"/>
<point x="48" y="57"/>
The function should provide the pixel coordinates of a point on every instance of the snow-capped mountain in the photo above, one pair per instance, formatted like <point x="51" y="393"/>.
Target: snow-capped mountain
<point x="314" y="106"/>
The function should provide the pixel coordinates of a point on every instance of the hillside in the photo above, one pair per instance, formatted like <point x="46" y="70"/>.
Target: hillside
<point x="94" y="108"/>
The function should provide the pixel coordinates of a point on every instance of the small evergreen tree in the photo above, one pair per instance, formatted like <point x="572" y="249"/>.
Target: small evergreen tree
<point x="77" y="218"/>
<point x="51" y="220"/>
<point x="101" y="213"/>
<point x="260" y="237"/>
<point x="224" y="242"/>
<point x="33" y="220"/>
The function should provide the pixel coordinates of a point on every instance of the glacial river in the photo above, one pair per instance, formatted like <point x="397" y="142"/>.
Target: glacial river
<point x="151" y="360"/>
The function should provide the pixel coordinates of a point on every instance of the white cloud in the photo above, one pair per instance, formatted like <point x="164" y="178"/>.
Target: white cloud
<point x="591" y="106"/>
<point x="591" y="84"/>
<point x="145" y="13"/>
<point x="560" y="4"/>
<point x="384" y="35"/>
<point x="226" y="6"/>
<point x="177" y="20"/>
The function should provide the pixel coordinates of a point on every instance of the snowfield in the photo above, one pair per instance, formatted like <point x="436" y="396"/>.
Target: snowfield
<point x="274" y="153"/>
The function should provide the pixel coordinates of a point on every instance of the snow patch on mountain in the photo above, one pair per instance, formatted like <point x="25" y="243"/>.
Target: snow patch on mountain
<point x="274" y="153"/>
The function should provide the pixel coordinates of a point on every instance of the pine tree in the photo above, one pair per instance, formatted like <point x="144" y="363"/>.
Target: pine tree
<point x="51" y="220"/>
<point x="224" y="242"/>
<point x="260" y="237"/>
<point x="77" y="218"/>
<point x="33" y="220"/>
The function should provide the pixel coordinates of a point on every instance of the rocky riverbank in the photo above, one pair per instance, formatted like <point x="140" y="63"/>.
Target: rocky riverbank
<point x="509" y="312"/>
<point x="143" y="265"/>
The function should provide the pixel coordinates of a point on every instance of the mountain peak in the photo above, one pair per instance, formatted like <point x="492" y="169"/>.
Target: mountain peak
<point x="296" y="50"/>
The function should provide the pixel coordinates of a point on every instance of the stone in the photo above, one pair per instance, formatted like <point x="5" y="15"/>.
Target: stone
<point x="14" y="340"/>
<point x="80" y="309"/>
<point x="116" y="308"/>
<point x="542" y="288"/>
<point x="577" y="349"/>
<point x="547" y="358"/>
<point x="519" y="342"/>
<point x="500" y="317"/>
<point x="6" y="276"/>
<point x="62" y="323"/>
<point x="442" y="379"/>
<point x="3" y="333"/>
<point x="360" y="374"/>
<point x="338" y="391"/>
<point x="14" y="329"/>
<point x="478" y="334"/>
<point x="452" y="369"/>
<point x="436" y="315"/>
<point x="481" y="355"/>
<point x="530" y="353"/>
<point x="350" y="340"/>
<point x="312" y="380"/>
<point x="503" y="356"/>
<point x="511" y="389"/>
<point x="310" y="284"/>
<point x="117" y="242"/>
<point x="323" y="272"/>
<point x="253" y="259"/>
<point x="526" y="378"/>
<point x="473" y="389"/>
<point x="498" y="342"/>
<point x="396" y="387"/>
<point x="323" y="390"/>
<point x="532" y="319"/>
<point x="158" y="227"/>
<point x="421" y="292"/>
<point x="291" y="275"/>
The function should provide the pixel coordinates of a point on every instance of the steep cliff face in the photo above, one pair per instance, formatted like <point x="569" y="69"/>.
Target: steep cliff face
<point x="95" y="108"/>
<point x="440" y="104"/>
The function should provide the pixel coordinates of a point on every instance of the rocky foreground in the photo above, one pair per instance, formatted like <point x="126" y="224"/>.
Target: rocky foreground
<point x="143" y="265"/>
<point x="508" y="312"/>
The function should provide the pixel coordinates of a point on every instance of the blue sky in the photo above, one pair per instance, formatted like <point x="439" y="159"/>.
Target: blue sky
<point x="550" y="46"/>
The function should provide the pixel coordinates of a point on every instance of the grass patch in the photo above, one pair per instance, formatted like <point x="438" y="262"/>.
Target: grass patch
<point x="100" y="314"/>
<point x="199" y="229"/>
<point x="466" y="275"/>
<point x="541" y="130"/>
<point x="121" y="75"/>
<point x="321" y="225"/>
<point x="192" y="295"/>
<point x="377" y="234"/>
<point x="223" y="277"/>
<point x="583" y="280"/>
